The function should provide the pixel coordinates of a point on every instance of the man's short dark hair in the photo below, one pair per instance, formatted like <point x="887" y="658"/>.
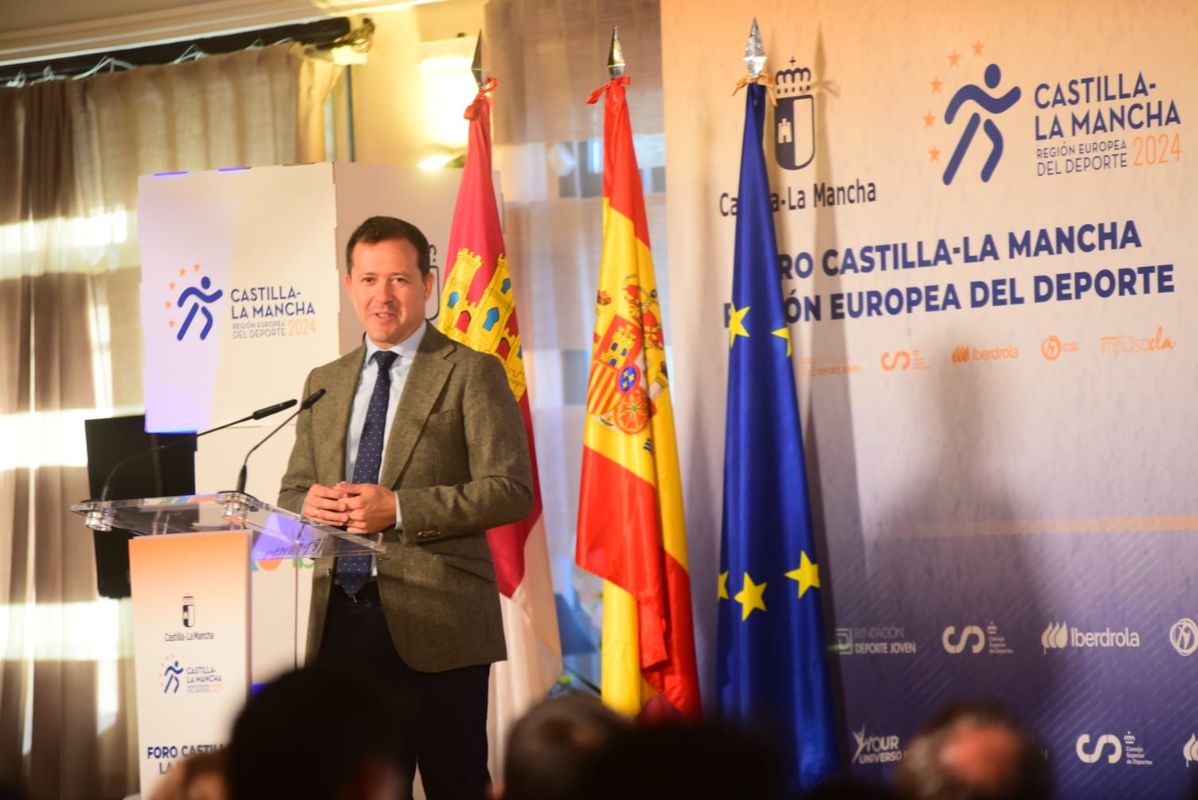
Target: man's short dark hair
<point x="385" y="229"/>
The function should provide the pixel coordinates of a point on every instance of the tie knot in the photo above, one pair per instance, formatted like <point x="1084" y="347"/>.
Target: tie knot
<point x="385" y="358"/>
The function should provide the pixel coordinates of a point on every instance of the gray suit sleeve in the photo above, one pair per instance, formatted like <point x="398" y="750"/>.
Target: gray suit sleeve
<point x="301" y="467"/>
<point x="499" y="490"/>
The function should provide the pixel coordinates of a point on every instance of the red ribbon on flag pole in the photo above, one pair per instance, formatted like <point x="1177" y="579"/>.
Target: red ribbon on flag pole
<point x="623" y="80"/>
<point x="484" y="93"/>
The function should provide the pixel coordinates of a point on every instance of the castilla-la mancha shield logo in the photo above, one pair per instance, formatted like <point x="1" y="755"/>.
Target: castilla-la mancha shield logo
<point x="794" y="117"/>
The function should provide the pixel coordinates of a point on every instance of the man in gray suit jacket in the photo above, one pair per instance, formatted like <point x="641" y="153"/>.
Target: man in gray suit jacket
<point x="425" y="617"/>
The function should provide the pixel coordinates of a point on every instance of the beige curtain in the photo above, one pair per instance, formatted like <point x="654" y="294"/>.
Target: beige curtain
<point x="70" y="349"/>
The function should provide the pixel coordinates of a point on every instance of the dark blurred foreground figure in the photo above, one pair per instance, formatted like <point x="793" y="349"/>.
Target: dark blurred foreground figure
<point x="319" y="734"/>
<point x="10" y="791"/>
<point x="687" y="760"/>
<point x="549" y="750"/>
<point x="974" y="752"/>
<point x="197" y="777"/>
<point x="844" y="787"/>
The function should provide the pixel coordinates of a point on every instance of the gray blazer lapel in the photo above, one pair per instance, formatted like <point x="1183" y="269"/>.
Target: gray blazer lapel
<point x="342" y="383"/>
<point x="428" y="375"/>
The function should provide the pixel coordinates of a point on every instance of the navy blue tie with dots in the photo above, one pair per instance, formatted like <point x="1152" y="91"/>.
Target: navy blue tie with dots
<point x="352" y="572"/>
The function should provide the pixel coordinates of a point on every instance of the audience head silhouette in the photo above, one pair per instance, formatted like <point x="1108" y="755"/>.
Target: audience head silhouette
<point x="974" y="752"/>
<point x="318" y="734"/>
<point x="549" y="749"/>
<point x="685" y="759"/>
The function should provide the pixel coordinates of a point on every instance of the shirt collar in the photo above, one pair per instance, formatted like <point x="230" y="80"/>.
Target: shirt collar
<point x="406" y="349"/>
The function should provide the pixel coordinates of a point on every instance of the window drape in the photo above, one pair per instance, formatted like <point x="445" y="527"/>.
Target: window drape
<point x="70" y="349"/>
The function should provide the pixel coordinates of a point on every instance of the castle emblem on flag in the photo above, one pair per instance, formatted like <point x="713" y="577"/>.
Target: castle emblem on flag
<point x="794" y="117"/>
<point x="481" y="311"/>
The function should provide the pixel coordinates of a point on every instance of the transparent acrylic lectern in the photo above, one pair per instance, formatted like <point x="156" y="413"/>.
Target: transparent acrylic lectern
<point x="221" y="587"/>
<point x="277" y="533"/>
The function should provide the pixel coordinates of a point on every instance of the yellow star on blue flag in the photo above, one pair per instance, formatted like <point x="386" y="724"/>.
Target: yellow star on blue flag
<point x="806" y="574"/>
<point x="751" y="597"/>
<point x="736" y="324"/>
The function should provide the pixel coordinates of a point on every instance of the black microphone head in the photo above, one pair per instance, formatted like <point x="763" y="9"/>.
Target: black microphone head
<point x="311" y="399"/>
<point x="275" y="409"/>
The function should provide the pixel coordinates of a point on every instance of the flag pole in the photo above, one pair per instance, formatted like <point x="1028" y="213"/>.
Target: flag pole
<point x="771" y="660"/>
<point x="478" y="310"/>
<point x="631" y="525"/>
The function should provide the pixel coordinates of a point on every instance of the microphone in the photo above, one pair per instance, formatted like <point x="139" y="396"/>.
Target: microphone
<point x="309" y="401"/>
<point x="275" y="409"/>
<point x="259" y="414"/>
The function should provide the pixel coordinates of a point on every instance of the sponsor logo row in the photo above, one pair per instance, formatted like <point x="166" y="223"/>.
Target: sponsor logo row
<point x="1089" y="748"/>
<point x="1052" y="348"/>
<point x="989" y="640"/>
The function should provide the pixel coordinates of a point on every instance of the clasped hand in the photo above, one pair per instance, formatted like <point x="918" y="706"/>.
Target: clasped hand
<point x="357" y="507"/>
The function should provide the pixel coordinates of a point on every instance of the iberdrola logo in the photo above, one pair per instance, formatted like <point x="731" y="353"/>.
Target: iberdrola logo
<point x="1055" y="636"/>
<point x="1190" y="751"/>
<point x="628" y="363"/>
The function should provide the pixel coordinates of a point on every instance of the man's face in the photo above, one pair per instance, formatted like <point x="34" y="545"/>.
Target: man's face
<point x="387" y="290"/>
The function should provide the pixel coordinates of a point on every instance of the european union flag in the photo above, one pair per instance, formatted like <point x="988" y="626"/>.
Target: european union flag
<point x="771" y="667"/>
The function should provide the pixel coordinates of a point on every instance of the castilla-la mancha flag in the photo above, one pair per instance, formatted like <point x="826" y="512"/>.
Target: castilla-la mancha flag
<point x="478" y="309"/>
<point x="631" y="530"/>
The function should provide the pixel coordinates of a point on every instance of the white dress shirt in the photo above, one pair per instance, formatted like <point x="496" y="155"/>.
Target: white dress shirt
<point x="366" y="380"/>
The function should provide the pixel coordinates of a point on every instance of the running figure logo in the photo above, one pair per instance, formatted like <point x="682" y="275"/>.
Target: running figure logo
<point x="198" y="297"/>
<point x="171" y="674"/>
<point x="992" y="103"/>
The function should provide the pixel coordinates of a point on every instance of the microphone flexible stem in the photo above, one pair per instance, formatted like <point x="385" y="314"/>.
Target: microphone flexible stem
<point x="245" y="463"/>
<point x="309" y="401"/>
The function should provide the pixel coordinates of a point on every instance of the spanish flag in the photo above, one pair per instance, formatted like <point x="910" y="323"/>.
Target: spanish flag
<point x="631" y="530"/>
<point x="478" y="309"/>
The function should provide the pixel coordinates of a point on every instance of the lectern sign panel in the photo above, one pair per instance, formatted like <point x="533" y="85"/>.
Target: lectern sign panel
<point x="191" y="658"/>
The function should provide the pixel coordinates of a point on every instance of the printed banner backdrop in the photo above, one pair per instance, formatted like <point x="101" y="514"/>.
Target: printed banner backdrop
<point x="238" y="269"/>
<point x="985" y="220"/>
